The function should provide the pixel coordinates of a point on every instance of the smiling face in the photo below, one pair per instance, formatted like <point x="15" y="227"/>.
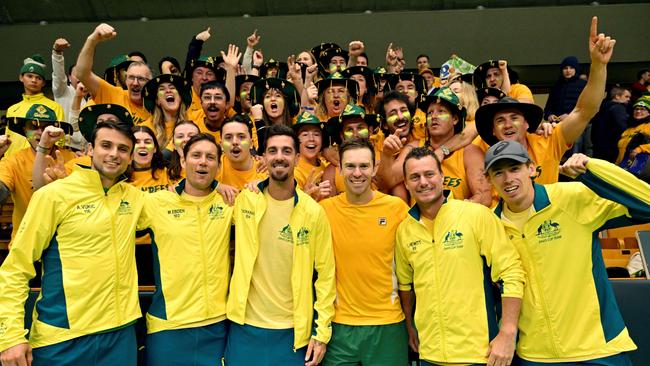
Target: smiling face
<point x="311" y="141"/>
<point x="440" y="121"/>
<point x="281" y="157"/>
<point x="336" y="98"/>
<point x="398" y="116"/>
<point x="357" y="168"/>
<point x="274" y="103"/>
<point x="423" y="180"/>
<point x="144" y="150"/>
<point x="168" y="98"/>
<point x="244" y="96"/>
<point x="236" y="141"/>
<point x="513" y="183"/>
<point x="201" y="165"/>
<point x="510" y="125"/>
<point x="640" y="112"/>
<point x="111" y="153"/>
<point x="182" y="134"/>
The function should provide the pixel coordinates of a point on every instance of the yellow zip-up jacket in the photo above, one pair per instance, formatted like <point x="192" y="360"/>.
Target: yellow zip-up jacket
<point x="312" y="251"/>
<point x="569" y="311"/>
<point x="85" y="238"/>
<point x="190" y="242"/>
<point x="452" y="272"/>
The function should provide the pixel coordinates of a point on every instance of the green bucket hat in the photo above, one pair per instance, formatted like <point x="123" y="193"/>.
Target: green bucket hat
<point x="337" y="79"/>
<point x="211" y="63"/>
<point x="286" y="87"/>
<point x="35" y="65"/>
<point x="335" y="124"/>
<point x="283" y="69"/>
<point x="150" y="90"/>
<point x="88" y="117"/>
<point x="308" y="119"/>
<point x="112" y="72"/>
<point x="366" y="72"/>
<point x="36" y="114"/>
<point x="447" y="97"/>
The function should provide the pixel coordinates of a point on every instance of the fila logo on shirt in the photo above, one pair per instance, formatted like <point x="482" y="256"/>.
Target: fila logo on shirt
<point x="453" y="239"/>
<point x="548" y="231"/>
<point x="382" y="221"/>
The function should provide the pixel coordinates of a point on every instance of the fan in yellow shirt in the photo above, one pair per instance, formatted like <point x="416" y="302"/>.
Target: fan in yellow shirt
<point x="363" y="224"/>
<point x="313" y="137"/>
<point x="238" y="167"/>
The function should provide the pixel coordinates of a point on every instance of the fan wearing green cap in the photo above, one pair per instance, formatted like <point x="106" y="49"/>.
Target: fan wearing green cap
<point x="463" y="168"/>
<point x="512" y="120"/>
<point x="313" y="137"/>
<point x="82" y="228"/>
<point x="115" y="73"/>
<point x="137" y="75"/>
<point x="634" y="144"/>
<point x="167" y="98"/>
<point x="32" y="76"/>
<point x="16" y="170"/>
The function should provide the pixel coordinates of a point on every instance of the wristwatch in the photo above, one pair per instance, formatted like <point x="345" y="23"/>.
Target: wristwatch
<point x="445" y="150"/>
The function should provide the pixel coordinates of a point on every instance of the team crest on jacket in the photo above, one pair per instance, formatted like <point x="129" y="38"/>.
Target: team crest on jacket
<point x="303" y="236"/>
<point x="215" y="212"/>
<point x="548" y="231"/>
<point x="285" y="234"/>
<point x="453" y="240"/>
<point x="125" y="208"/>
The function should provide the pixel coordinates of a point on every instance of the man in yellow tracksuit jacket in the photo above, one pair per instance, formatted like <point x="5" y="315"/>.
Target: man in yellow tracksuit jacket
<point x="569" y="313"/>
<point x="448" y="254"/>
<point x="283" y="257"/>
<point x="190" y="238"/>
<point x="82" y="228"/>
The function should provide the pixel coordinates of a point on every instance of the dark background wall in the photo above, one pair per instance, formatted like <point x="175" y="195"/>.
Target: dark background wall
<point x="532" y="39"/>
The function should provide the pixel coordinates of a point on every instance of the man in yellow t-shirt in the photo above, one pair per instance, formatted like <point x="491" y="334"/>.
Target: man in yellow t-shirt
<point x="280" y="311"/>
<point x="238" y="167"/>
<point x="16" y="170"/>
<point x="368" y="326"/>
<point x="137" y="75"/>
<point x="497" y="74"/>
<point x="32" y="76"/>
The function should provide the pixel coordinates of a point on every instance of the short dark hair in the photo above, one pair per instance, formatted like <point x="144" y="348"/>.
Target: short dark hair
<point x="356" y="144"/>
<point x="640" y="73"/>
<point x="395" y="95"/>
<point x="281" y="130"/>
<point x="170" y="59"/>
<point x="198" y="138"/>
<point x="422" y="55"/>
<point x="138" y="53"/>
<point x="215" y="85"/>
<point x="363" y="54"/>
<point x="617" y="91"/>
<point x="122" y="128"/>
<point x="238" y="118"/>
<point x="420" y="153"/>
